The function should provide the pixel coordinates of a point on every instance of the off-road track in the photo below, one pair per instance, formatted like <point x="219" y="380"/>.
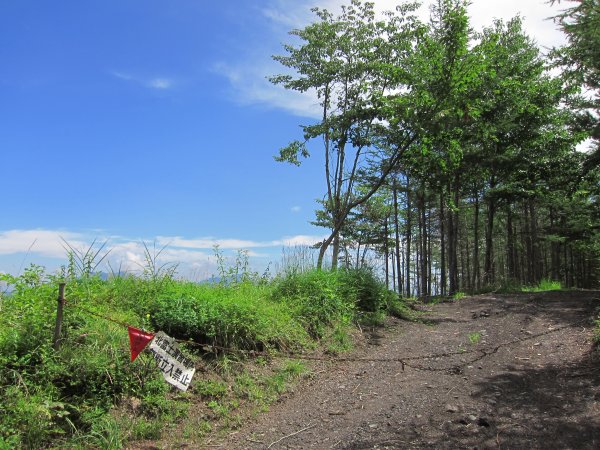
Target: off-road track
<point x="487" y="372"/>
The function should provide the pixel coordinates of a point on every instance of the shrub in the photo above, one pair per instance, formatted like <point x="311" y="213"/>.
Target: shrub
<point x="544" y="285"/>
<point x="315" y="299"/>
<point x="362" y="287"/>
<point x="233" y="317"/>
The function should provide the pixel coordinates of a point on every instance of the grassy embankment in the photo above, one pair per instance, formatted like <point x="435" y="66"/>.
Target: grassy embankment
<point x="87" y="394"/>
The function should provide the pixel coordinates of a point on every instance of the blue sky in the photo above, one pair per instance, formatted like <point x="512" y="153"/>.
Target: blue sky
<point x="152" y="121"/>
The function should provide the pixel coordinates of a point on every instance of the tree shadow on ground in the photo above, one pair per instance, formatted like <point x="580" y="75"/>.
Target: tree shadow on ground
<point x="529" y="403"/>
<point x="569" y="307"/>
<point x="554" y="407"/>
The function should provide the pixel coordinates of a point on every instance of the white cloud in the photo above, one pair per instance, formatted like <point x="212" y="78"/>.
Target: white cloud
<point x="194" y="257"/>
<point x="248" y="78"/>
<point x="121" y="75"/>
<point x="535" y="14"/>
<point x="209" y="243"/>
<point x="159" y="83"/>
<point x="302" y="240"/>
<point x="236" y="244"/>
<point x="250" y="85"/>
<point x="296" y="14"/>
<point x="48" y="243"/>
<point x="296" y="209"/>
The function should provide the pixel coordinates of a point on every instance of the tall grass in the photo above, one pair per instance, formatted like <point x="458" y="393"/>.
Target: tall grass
<point x="57" y="398"/>
<point x="543" y="286"/>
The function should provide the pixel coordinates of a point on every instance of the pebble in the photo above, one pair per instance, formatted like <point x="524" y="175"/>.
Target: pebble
<point x="452" y="408"/>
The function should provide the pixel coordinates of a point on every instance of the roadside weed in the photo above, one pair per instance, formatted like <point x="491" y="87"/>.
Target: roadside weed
<point x="475" y="337"/>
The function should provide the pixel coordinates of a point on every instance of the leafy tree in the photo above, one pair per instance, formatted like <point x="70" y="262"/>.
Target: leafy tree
<point x="352" y="62"/>
<point x="580" y="59"/>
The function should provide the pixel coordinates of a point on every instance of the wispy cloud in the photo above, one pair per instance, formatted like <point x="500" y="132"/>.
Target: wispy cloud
<point x="194" y="256"/>
<point x="209" y="243"/>
<point x="248" y="77"/>
<point x="297" y="13"/>
<point x="48" y="243"/>
<point x="250" y="85"/>
<point x="159" y="83"/>
<point x="295" y="209"/>
<point x="236" y="244"/>
<point x="302" y="240"/>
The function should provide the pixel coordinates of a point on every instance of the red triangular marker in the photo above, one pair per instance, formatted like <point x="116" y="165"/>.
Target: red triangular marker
<point x="138" y="340"/>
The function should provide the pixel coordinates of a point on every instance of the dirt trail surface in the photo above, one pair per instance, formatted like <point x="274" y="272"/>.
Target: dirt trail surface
<point x="492" y="371"/>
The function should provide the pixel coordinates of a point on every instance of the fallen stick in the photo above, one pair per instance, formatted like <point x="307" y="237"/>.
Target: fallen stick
<point x="290" y="435"/>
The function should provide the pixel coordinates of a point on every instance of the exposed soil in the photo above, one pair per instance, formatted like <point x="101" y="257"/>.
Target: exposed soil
<point x="492" y="371"/>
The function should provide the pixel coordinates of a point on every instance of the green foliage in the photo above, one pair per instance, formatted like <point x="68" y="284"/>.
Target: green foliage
<point x="56" y="396"/>
<point x="458" y="295"/>
<point x="372" y="319"/>
<point x="316" y="300"/>
<point x="363" y="288"/>
<point x="338" y="340"/>
<point x="107" y="433"/>
<point x="544" y="285"/>
<point x="262" y="389"/>
<point x="210" y="389"/>
<point x="397" y="307"/>
<point x="240" y="316"/>
<point x="146" y="429"/>
<point x="580" y="61"/>
<point x="475" y="337"/>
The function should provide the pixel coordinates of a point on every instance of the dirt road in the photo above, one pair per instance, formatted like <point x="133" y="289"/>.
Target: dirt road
<point x="492" y="371"/>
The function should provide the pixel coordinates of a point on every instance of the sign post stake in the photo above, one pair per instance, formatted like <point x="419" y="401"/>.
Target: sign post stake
<point x="59" y="316"/>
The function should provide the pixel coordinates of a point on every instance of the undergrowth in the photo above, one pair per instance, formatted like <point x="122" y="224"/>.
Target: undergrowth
<point x="80" y="395"/>
<point x="544" y="285"/>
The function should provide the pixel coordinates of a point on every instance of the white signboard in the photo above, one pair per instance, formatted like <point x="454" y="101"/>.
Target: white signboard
<point x="176" y="368"/>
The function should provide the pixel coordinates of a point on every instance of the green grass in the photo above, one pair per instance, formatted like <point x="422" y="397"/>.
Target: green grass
<point x="543" y="286"/>
<point x="71" y="397"/>
<point x="474" y="338"/>
<point x="459" y="295"/>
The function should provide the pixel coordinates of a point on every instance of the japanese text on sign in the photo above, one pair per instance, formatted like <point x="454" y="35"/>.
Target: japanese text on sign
<point x="176" y="368"/>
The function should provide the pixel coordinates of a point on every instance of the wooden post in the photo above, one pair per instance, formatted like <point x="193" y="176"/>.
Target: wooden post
<point x="59" y="316"/>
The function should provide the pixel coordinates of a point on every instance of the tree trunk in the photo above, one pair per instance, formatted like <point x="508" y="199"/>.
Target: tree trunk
<point x="408" y="236"/>
<point x="488" y="275"/>
<point x="528" y="245"/>
<point x="423" y="233"/>
<point x="453" y="241"/>
<point x="535" y="244"/>
<point x="476" y="282"/>
<point x="466" y="259"/>
<point x="397" y="237"/>
<point x="386" y="254"/>
<point x="393" y="272"/>
<point x="429" y="255"/>
<point x="510" y="246"/>
<point x="442" y="245"/>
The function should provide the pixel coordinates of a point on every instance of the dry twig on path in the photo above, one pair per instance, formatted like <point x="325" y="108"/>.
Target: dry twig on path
<point x="293" y="434"/>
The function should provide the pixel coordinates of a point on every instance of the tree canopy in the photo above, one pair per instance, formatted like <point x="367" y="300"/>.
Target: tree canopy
<point x="443" y="144"/>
